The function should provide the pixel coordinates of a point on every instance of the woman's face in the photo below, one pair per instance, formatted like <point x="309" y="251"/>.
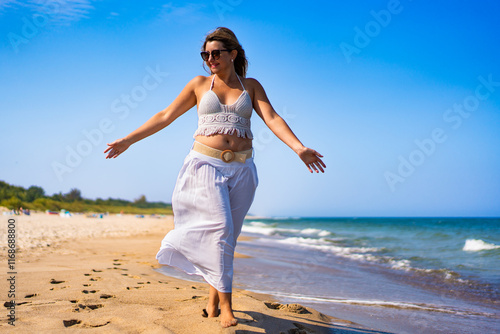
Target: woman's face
<point x="223" y="63"/>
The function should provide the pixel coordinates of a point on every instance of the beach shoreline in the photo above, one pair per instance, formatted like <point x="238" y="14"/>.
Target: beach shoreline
<point x="84" y="274"/>
<point x="376" y="272"/>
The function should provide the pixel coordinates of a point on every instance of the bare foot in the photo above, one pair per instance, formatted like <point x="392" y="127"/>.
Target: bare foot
<point x="227" y="318"/>
<point x="211" y="311"/>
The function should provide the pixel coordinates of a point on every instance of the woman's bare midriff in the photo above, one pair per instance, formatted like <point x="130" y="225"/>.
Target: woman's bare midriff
<point x="226" y="142"/>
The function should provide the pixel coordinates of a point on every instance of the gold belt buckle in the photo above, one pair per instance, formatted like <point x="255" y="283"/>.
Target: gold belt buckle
<point x="227" y="156"/>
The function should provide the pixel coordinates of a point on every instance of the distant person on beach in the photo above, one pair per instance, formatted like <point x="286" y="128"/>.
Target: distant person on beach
<point x="216" y="184"/>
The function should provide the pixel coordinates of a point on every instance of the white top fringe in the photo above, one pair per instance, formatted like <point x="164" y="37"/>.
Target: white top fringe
<point x="218" y="118"/>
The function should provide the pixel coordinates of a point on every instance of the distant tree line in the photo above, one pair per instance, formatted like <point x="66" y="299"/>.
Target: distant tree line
<point x="34" y="198"/>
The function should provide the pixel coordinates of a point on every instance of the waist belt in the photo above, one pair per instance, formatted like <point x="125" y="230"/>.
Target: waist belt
<point x="226" y="155"/>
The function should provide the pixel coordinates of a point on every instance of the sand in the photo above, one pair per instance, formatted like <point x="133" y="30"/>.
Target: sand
<point x="84" y="274"/>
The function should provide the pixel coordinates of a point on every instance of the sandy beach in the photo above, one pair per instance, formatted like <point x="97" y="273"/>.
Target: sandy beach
<point x="89" y="274"/>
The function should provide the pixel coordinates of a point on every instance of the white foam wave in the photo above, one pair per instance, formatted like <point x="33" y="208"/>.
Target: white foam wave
<point x="271" y="229"/>
<point x="258" y="230"/>
<point x="364" y="254"/>
<point x="400" y="264"/>
<point x="265" y="229"/>
<point x="476" y="245"/>
<point x="383" y="303"/>
<point x="324" y="233"/>
<point x="325" y="245"/>
<point x="310" y="240"/>
<point x="315" y="231"/>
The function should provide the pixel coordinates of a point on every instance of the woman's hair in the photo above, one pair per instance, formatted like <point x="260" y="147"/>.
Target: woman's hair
<point x="228" y="38"/>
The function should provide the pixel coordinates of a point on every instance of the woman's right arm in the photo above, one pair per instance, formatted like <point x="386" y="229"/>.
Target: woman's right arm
<point x="185" y="101"/>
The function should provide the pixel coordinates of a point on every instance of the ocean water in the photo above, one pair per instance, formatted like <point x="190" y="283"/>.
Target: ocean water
<point x="399" y="275"/>
<point x="402" y="275"/>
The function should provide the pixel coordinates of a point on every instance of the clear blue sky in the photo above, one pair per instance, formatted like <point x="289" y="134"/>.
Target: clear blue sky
<point x="402" y="99"/>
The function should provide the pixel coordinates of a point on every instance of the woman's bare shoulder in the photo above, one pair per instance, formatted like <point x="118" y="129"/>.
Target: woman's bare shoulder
<point x="199" y="84"/>
<point x="200" y="80"/>
<point x="252" y="82"/>
<point x="253" y="86"/>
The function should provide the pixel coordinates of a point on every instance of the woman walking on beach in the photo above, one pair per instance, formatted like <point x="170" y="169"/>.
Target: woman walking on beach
<point x="216" y="184"/>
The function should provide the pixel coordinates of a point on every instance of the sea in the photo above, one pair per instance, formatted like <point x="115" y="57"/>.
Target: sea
<point x="395" y="275"/>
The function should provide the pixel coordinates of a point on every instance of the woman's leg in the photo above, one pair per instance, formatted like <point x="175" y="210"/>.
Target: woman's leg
<point x="215" y="297"/>
<point x="213" y="302"/>
<point x="227" y="318"/>
<point x="241" y="196"/>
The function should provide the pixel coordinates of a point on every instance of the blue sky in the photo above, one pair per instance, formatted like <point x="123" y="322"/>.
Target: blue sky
<point x="401" y="97"/>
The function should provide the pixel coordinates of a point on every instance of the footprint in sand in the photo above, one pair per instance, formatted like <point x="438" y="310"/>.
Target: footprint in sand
<point x="89" y="291"/>
<point x="118" y="260"/>
<point x="106" y="296"/>
<point x="10" y="305"/>
<point x="90" y="307"/>
<point x="193" y="297"/>
<point x="31" y="295"/>
<point x="54" y="281"/>
<point x="134" y="287"/>
<point x="73" y="322"/>
<point x="118" y="268"/>
<point x="95" y="279"/>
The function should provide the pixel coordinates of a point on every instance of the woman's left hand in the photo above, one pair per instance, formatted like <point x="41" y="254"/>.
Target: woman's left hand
<point x="312" y="159"/>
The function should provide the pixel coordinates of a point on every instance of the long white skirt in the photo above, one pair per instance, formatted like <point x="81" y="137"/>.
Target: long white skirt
<point x="210" y="201"/>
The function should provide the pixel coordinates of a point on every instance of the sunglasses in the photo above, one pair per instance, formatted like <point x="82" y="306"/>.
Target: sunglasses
<point x="205" y="55"/>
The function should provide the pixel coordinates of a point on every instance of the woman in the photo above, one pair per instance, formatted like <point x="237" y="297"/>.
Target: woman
<point x="217" y="182"/>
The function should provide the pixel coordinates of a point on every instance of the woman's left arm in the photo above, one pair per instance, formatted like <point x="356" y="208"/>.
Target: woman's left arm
<point x="280" y="128"/>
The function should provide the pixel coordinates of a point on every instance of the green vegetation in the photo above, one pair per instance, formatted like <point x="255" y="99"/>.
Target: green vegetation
<point x="34" y="198"/>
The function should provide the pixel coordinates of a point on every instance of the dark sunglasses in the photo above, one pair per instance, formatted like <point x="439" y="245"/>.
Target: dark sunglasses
<point x="205" y="55"/>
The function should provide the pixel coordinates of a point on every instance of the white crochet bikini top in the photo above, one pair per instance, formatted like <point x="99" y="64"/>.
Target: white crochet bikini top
<point x="218" y="118"/>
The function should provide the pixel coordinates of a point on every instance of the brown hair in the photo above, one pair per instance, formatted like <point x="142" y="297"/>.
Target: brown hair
<point x="228" y="38"/>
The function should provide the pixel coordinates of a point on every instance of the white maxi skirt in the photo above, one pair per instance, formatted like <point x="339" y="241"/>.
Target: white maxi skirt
<point x="210" y="201"/>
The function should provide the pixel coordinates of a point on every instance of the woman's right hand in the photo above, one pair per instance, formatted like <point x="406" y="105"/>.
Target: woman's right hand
<point x="117" y="147"/>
